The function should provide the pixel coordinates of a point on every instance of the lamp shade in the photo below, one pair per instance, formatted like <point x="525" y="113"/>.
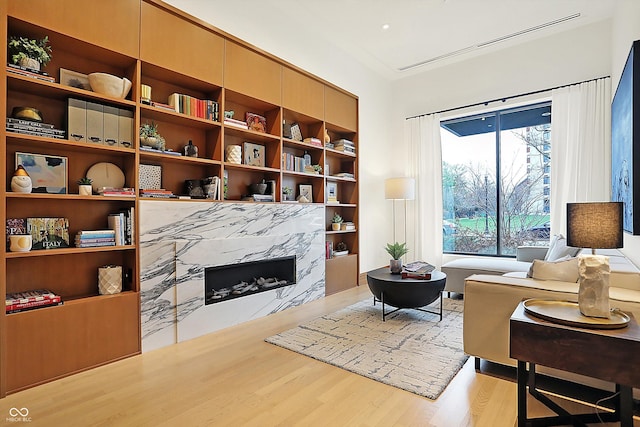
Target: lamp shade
<point x="400" y="188"/>
<point x="596" y="225"/>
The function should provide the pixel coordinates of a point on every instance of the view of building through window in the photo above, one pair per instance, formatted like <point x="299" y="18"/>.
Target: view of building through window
<point x="496" y="180"/>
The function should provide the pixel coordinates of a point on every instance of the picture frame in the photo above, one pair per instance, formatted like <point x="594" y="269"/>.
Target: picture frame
<point x="306" y="190"/>
<point x="332" y="192"/>
<point x="74" y="79"/>
<point x="625" y="142"/>
<point x="256" y="122"/>
<point x="48" y="173"/>
<point x="254" y="154"/>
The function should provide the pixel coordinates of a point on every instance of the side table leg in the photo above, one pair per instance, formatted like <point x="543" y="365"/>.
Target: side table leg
<point x="441" y="305"/>
<point x="522" y="393"/>
<point x="625" y="405"/>
<point x="382" y="301"/>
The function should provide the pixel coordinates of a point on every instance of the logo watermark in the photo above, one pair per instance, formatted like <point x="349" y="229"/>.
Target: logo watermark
<point x="18" y="415"/>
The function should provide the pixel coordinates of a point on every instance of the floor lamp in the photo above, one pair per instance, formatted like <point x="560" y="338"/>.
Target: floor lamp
<point x="400" y="189"/>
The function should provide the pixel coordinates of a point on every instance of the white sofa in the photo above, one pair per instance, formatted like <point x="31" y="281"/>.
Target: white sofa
<point x="489" y="301"/>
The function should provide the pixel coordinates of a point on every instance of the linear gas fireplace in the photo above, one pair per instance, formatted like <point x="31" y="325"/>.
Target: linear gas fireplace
<point x="225" y="282"/>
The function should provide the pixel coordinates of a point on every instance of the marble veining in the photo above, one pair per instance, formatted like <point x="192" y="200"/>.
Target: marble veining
<point x="179" y="240"/>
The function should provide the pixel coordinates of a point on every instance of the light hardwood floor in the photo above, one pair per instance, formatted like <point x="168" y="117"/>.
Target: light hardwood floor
<point x="234" y="378"/>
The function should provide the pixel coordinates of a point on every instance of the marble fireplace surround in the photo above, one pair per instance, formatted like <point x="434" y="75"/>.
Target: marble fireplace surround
<point x="178" y="240"/>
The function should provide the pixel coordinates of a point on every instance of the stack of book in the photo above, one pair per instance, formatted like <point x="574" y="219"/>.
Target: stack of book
<point x="417" y="270"/>
<point x="259" y="198"/>
<point x="313" y="141"/>
<point x="236" y="123"/>
<point x="344" y="175"/>
<point x="117" y="192"/>
<point x="30" y="72"/>
<point x="29" y="300"/>
<point x="155" y="150"/>
<point x="347" y="226"/>
<point x="160" y="193"/>
<point x="27" y="127"/>
<point x="344" y="145"/>
<point x="191" y="106"/>
<point x="95" y="238"/>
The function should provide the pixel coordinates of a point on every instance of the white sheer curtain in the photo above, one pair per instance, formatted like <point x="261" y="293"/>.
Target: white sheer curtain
<point x="580" y="147"/>
<point x="422" y="135"/>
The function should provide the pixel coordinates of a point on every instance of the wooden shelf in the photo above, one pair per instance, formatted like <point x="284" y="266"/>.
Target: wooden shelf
<point x="68" y="251"/>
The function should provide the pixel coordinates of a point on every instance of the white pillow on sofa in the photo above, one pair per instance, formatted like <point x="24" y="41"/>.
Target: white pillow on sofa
<point x="564" y="270"/>
<point x="558" y="249"/>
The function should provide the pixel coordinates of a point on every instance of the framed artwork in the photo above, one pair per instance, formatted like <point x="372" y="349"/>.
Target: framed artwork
<point x="306" y="190"/>
<point x="256" y="122"/>
<point x="625" y="142"/>
<point x="74" y="79"/>
<point x="48" y="173"/>
<point x="332" y="192"/>
<point x="253" y="154"/>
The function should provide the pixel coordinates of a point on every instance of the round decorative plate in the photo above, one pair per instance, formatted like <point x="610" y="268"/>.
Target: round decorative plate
<point x="568" y="313"/>
<point x="105" y="174"/>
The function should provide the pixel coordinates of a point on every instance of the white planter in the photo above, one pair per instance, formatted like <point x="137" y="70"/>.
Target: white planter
<point x="335" y="226"/>
<point x="85" y="190"/>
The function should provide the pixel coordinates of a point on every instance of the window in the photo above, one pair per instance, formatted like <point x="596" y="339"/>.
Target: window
<point x="495" y="180"/>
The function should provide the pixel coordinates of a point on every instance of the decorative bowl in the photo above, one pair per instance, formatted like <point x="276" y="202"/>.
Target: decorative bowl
<point x="26" y="113"/>
<point x="258" y="188"/>
<point x="109" y="85"/>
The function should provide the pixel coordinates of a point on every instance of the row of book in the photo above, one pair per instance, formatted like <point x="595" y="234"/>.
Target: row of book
<point x="192" y="106"/>
<point x="29" y="300"/>
<point x="117" y="191"/>
<point x="30" y="72"/>
<point x="292" y="162"/>
<point x="159" y="193"/>
<point x="27" y="127"/>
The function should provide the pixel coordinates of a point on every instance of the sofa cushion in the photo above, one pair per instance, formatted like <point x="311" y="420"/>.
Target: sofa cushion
<point x="565" y="269"/>
<point x="558" y="249"/>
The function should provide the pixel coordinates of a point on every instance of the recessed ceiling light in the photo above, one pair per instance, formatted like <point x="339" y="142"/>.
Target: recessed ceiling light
<point x="385" y="26"/>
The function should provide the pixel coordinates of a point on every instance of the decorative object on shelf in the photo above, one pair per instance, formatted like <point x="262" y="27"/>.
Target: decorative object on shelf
<point x="190" y="150"/>
<point x="254" y="154"/>
<point x="256" y="122"/>
<point x="306" y="191"/>
<point x="596" y="225"/>
<point x="286" y="129"/>
<point x="211" y="187"/>
<point x="317" y="169"/>
<point x="48" y="233"/>
<point x="110" y="279"/>
<point x="150" y="137"/>
<point x="259" y="188"/>
<point x="307" y="158"/>
<point x="30" y="53"/>
<point x="332" y="192"/>
<point x="336" y="221"/>
<point x="74" y="79"/>
<point x="327" y="138"/>
<point x="20" y="242"/>
<point x="84" y="186"/>
<point x="229" y="114"/>
<point x="27" y="113"/>
<point x="145" y="94"/>
<point x="193" y="188"/>
<point x="233" y="154"/>
<point x="48" y="173"/>
<point x="296" y="133"/>
<point x="105" y="174"/>
<point x="396" y="251"/>
<point x="110" y="85"/>
<point x="340" y="249"/>
<point x="287" y="193"/>
<point x="15" y="226"/>
<point x="21" y="181"/>
<point x="150" y="177"/>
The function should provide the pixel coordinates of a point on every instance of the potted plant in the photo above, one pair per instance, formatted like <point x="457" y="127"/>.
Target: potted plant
<point x="336" y="221"/>
<point x="396" y="250"/>
<point x="84" y="186"/>
<point x="29" y="53"/>
<point x="150" y="137"/>
<point x="287" y="192"/>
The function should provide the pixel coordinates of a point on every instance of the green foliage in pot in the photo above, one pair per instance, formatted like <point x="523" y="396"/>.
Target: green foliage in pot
<point x="149" y="130"/>
<point x="85" y="181"/>
<point x="337" y="219"/>
<point x="396" y="250"/>
<point x="21" y="48"/>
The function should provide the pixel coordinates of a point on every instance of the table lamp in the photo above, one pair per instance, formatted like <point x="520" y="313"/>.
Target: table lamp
<point x="595" y="225"/>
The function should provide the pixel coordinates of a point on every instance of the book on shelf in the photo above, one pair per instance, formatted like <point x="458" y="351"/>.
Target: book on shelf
<point x="11" y="120"/>
<point x="192" y="106"/>
<point x="122" y="224"/>
<point x="48" y="233"/>
<point x="259" y="198"/>
<point x="27" y="69"/>
<point x="236" y="123"/>
<point x="15" y="226"/>
<point x="114" y="191"/>
<point x="155" y="150"/>
<point x="328" y="250"/>
<point x="16" y="308"/>
<point x="35" y="133"/>
<point x="29" y="296"/>
<point x="313" y="141"/>
<point x="340" y="253"/>
<point x="347" y="226"/>
<point x="344" y="175"/>
<point x="27" y="72"/>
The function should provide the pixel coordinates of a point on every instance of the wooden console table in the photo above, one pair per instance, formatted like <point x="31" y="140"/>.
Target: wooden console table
<point x="609" y="355"/>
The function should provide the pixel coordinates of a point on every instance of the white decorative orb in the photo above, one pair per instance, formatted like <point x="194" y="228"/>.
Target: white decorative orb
<point x="21" y="184"/>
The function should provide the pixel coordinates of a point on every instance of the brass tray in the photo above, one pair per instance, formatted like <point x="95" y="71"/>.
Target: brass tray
<point x="568" y="313"/>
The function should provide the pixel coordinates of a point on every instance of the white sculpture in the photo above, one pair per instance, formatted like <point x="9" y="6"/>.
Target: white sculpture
<point x="21" y="181"/>
<point x="593" y="294"/>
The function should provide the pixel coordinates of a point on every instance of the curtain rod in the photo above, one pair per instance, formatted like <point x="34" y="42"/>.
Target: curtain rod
<point x="506" y="98"/>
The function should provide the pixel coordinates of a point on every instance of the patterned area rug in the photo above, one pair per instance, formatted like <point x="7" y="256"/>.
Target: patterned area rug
<point x="412" y="350"/>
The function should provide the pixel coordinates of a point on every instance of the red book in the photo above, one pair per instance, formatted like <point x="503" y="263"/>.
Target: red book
<point x="407" y="275"/>
<point x="14" y="308"/>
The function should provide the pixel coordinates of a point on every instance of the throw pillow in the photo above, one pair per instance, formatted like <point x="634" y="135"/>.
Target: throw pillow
<point x="565" y="270"/>
<point x="558" y="248"/>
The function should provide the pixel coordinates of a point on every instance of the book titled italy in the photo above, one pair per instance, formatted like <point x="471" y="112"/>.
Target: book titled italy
<point x="48" y="233"/>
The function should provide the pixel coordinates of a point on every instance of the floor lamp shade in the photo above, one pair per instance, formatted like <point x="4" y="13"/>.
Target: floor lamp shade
<point x="596" y="225"/>
<point x="400" y="189"/>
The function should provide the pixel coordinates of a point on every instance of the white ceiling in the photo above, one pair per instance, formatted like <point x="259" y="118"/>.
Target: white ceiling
<point x="422" y="33"/>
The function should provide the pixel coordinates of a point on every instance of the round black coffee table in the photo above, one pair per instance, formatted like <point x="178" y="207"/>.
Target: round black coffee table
<point x="392" y="289"/>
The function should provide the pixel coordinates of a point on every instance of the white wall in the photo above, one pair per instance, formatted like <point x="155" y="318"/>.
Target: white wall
<point x="310" y="53"/>
<point x="626" y="29"/>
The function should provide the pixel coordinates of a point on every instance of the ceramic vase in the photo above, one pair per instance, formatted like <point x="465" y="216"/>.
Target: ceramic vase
<point x="395" y="265"/>
<point x="85" y="190"/>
